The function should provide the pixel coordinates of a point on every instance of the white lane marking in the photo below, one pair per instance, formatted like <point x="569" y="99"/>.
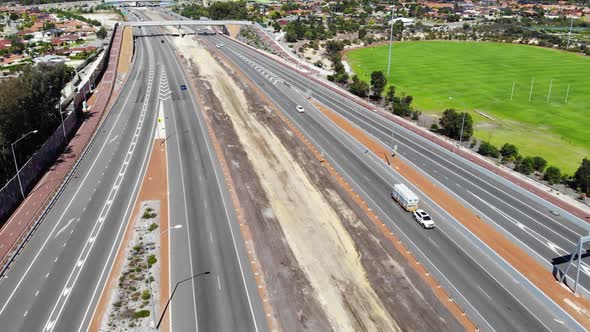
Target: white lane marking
<point x="559" y="321"/>
<point x="47" y="275"/>
<point x="113" y="139"/>
<point x="387" y="218"/>
<point x="211" y="237"/>
<point x="187" y="223"/>
<point x="89" y="245"/>
<point x="66" y="226"/>
<point x="532" y="233"/>
<point x="484" y="292"/>
<point x="219" y="182"/>
<point x="68" y="206"/>
<point x="26" y="313"/>
<point x="432" y="241"/>
<point x="218" y="282"/>
<point x="37" y="293"/>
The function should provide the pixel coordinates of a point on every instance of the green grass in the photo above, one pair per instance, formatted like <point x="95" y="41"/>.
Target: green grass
<point x="479" y="77"/>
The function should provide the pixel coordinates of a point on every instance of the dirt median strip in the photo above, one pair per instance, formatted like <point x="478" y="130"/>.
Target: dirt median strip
<point x="576" y="306"/>
<point x="154" y="186"/>
<point x="126" y="50"/>
<point x="437" y="289"/>
<point x="273" y="324"/>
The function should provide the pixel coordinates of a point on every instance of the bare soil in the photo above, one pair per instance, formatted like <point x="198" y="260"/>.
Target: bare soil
<point x="326" y="265"/>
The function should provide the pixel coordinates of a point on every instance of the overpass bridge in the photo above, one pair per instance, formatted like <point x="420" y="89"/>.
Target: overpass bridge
<point x="185" y="23"/>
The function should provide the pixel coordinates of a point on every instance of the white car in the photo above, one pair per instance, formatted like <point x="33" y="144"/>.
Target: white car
<point x="219" y="45"/>
<point x="423" y="218"/>
<point x="300" y="109"/>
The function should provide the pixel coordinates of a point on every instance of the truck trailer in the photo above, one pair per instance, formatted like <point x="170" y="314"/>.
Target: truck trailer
<point x="405" y="197"/>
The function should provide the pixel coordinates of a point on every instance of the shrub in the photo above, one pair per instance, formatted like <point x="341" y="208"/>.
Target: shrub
<point x="509" y="151"/>
<point x="434" y="127"/>
<point x="488" y="149"/>
<point x="145" y="294"/>
<point x="539" y="163"/>
<point x="552" y="175"/>
<point x="141" y="314"/>
<point x="473" y="143"/>
<point x="152" y="227"/>
<point x="149" y="215"/>
<point x="525" y="166"/>
<point x="152" y="260"/>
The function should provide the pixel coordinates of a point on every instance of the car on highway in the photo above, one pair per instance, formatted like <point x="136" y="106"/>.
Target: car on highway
<point x="300" y="109"/>
<point x="219" y="45"/>
<point x="183" y="87"/>
<point x="423" y="218"/>
<point x="162" y="41"/>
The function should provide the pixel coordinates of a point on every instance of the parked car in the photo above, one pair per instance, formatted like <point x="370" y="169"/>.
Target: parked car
<point x="423" y="218"/>
<point x="300" y="109"/>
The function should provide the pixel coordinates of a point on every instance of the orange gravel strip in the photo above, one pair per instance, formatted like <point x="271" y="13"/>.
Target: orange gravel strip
<point x="437" y="289"/>
<point x="153" y="187"/>
<point x="126" y="51"/>
<point x="576" y="306"/>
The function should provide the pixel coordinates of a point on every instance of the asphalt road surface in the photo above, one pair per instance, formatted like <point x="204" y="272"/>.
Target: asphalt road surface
<point x="57" y="278"/>
<point x="480" y="282"/>
<point x="226" y="299"/>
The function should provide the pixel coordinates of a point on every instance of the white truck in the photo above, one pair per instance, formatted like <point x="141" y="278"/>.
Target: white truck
<point x="405" y="197"/>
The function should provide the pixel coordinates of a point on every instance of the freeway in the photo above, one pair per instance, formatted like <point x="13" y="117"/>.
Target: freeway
<point x="491" y="294"/>
<point x="54" y="282"/>
<point x="546" y="232"/>
<point x="227" y="299"/>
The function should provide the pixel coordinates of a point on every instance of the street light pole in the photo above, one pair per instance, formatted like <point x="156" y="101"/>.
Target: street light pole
<point x="462" y="124"/>
<point x="22" y="192"/>
<point x="174" y="291"/>
<point x="63" y="127"/>
<point x="390" y="44"/>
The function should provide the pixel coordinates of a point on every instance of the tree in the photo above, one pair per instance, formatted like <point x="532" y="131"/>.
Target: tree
<point x="525" y="166"/>
<point x="237" y="10"/>
<point x="451" y="123"/>
<point x="390" y="95"/>
<point x="362" y="33"/>
<point x="13" y="16"/>
<point x="509" y="151"/>
<point x="539" y="163"/>
<point x="358" y="87"/>
<point x="581" y="178"/>
<point x="552" y="175"/>
<point x="378" y="83"/>
<point x="29" y="102"/>
<point x="487" y="149"/>
<point x="101" y="33"/>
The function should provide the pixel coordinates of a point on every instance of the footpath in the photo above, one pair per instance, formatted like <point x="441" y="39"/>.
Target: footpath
<point x="577" y="307"/>
<point x="27" y="217"/>
<point x="538" y="190"/>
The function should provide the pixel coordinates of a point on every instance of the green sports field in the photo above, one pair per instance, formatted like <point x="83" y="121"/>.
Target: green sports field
<point x="479" y="77"/>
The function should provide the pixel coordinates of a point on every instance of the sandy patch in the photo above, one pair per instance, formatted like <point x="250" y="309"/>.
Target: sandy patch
<point x="308" y="220"/>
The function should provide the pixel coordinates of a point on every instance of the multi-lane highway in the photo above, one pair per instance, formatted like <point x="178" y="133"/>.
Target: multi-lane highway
<point x="227" y="299"/>
<point x="492" y="293"/>
<point x="56" y="279"/>
<point x="55" y="283"/>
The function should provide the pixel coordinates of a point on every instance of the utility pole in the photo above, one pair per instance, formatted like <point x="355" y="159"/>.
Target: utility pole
<point x="569" y="34"/>
<point x="462" y="124"/>
<point x="390" y="44"/>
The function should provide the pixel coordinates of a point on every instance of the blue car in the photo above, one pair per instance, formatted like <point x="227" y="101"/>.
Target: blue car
<point x="183" y="87"/>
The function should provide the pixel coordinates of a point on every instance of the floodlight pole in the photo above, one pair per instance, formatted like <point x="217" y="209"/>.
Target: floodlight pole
<point x="567" y="93"/>
<point x="531" y="93"/>
<point x="549" y="93"/>
<point x="390" y="44"/>
<point x="569" y="34"/>
<point x="512" y="93"/>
